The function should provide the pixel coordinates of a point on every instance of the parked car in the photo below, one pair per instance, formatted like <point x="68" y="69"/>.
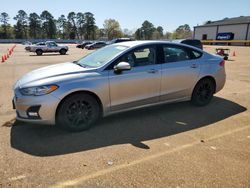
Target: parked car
<point x="83" y="44"/>
<point x="27" y="48"/>
<point x="119" y="40"/>
<point x="192" y="42"/>
<point x="26" y="43"/>
<point x="117" y="78"/>
<point x="50" y="46"/>
<point x="95" y="45"/>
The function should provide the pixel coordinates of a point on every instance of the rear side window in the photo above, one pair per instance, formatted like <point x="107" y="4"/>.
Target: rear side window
<point x="195" y="54"/>
<point x="175" y="54"/>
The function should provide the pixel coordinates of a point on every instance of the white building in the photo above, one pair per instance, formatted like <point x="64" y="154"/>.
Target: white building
<point x="227" y="29"/>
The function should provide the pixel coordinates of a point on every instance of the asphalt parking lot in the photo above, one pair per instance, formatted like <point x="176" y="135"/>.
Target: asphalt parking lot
<point x="175" y="145"/>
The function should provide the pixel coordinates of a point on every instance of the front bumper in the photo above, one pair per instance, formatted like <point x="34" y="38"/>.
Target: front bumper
<point x="35" y="109"/>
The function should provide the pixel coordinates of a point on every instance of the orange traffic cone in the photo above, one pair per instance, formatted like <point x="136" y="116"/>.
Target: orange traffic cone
<point x="234" y="54"/>
<point x="3" y="59"/>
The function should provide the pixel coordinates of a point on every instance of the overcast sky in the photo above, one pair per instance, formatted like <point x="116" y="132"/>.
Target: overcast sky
<point x="131" y="13"/>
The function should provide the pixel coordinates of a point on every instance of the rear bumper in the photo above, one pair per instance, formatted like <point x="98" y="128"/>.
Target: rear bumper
<point x="220" y="80"/>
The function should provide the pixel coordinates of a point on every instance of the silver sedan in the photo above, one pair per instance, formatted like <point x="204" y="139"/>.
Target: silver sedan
<point x="119" y="77"/>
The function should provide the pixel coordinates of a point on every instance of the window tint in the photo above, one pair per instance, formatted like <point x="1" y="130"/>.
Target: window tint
<point x="196" y="54"/>
<point x="51" y="44"/>
<point x="174" y="54"/>
<point x="140" y="57"/>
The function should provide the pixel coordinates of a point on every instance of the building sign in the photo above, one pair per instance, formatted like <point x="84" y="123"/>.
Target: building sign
<point x="225" y="36"/>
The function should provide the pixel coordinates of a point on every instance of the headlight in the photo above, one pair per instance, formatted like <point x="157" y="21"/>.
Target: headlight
<point x="39" y="90"/>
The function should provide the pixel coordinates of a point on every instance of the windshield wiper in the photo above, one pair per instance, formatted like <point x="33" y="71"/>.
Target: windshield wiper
<point x="77" y="63"/>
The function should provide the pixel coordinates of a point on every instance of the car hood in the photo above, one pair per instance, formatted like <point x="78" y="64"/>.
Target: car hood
<point x="49" y="73"/>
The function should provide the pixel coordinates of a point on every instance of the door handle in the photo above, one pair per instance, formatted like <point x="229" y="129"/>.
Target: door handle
<point x="194" y="66"/>
<point x="152" y="71"/>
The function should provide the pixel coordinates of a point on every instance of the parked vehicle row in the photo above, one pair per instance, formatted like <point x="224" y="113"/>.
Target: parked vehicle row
<point x="99" y="44"/>
<point x="95" y="45"/>
<point x="47" y="47"/>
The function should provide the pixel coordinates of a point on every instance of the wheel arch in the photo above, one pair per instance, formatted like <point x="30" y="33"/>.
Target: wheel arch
<point x="210" y="78"/>
<point x="39" y="49"/>
<point x="83" y="92"/>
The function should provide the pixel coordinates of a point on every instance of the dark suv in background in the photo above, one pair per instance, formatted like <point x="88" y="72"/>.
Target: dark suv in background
<point x="119" y="40"/>
<point x="192" y="42"/>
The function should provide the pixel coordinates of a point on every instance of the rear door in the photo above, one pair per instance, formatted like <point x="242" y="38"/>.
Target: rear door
<point x="180" y="70"/>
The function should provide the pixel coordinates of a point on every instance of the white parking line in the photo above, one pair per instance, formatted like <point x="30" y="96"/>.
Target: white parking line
<point x="80" y="180"/>
<point x="17" y="178"/>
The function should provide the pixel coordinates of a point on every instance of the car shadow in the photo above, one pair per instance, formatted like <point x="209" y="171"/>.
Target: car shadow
<point x="132" y="127"/>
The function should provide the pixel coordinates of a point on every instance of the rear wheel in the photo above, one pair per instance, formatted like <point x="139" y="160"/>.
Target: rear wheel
<point x="203" y="92"/>
<point x="39" y="52"/>
<point x="62" y="51"/>
<point x="78" y="112"/>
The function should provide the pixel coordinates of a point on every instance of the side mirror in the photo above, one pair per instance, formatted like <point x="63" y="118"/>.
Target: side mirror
<point x="122" y="66"/>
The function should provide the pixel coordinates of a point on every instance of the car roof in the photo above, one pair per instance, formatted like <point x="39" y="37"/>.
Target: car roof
<point x="148" y="42"/>
<point x="142" y="42"/>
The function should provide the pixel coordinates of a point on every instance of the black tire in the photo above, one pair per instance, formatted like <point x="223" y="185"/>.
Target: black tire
<point x="63" y="51"/>
<point x="78" y="112"/>
<point x="39" y="52"/>
<point x="203" y="92"/>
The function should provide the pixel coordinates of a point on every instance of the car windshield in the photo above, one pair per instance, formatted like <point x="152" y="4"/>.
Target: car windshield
<point x="101" y="57"/>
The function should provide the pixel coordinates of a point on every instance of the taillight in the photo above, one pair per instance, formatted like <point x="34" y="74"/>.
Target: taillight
<point x="222" y="63"/>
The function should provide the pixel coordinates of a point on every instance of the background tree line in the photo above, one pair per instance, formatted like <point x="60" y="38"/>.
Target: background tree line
<point x="79" y="26"/>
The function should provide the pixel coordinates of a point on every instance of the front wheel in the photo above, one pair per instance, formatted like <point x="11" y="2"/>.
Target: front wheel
<point x="39" y="52"/>
<point x="78" y="112"/>
<point x="203" y="92"/>
<point x="62" y="51"/>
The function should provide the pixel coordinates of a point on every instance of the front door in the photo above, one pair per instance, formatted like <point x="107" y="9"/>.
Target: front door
<point x="138" y="86"/>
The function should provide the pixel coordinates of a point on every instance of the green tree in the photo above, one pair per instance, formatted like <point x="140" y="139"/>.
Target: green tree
<point x="34" y="25"/>
<point x="100" y="33"/>
<point x="4" y="19"/>
<point x="183" y="31"/>
<point x="147" y="30"/>
<point x="72" y="20"/>
<point x="80" y="24"/>
<point x="156" y="35"/>
<point x="48" y="25"/>
<point x="160" y="30"/>
<point x="112" y="29"/>
<point x="89" y="25"/>
<point x="21" y="27"/>
<point x="168" y="35"/>
<point x="138" y="34"/>
<point x="62" y="26"/>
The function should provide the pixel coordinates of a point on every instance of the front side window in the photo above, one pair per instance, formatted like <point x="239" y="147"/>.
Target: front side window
<point x="51" y="44"/>
<point x="140" y="57"/>
<point x="175" y="54"/>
